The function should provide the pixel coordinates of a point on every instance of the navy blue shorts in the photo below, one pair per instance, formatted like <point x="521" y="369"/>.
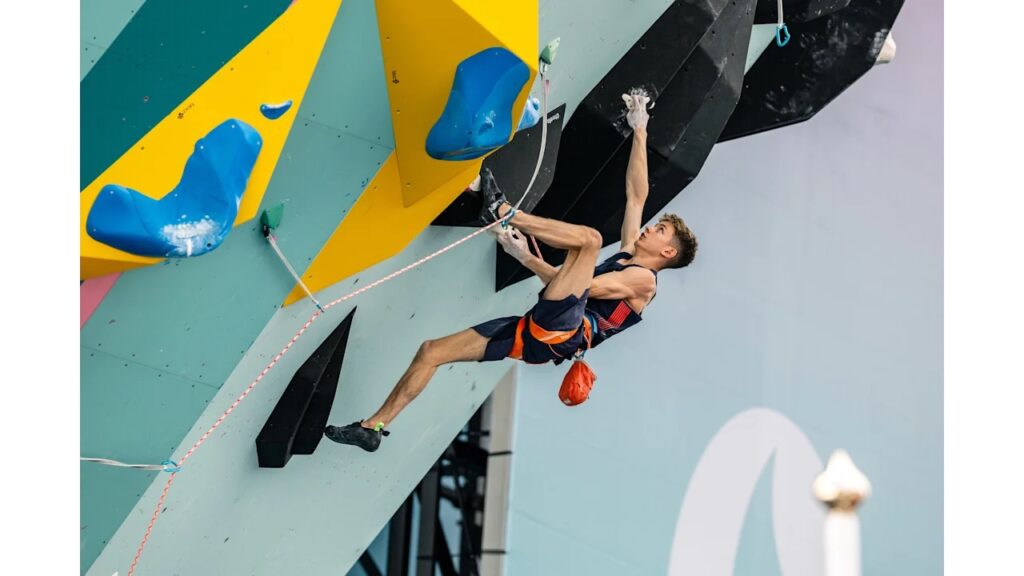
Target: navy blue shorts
<point x="554" y="315"/>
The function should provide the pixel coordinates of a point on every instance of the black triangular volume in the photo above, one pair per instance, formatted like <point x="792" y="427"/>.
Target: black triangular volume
<point x="311" y="429"/>
<point x="791" y="84"/>
<point x="305" y="404"/>
<point x="512" y="166"/>
<point x="598" y="129"/>
<point x="696" y="79"/>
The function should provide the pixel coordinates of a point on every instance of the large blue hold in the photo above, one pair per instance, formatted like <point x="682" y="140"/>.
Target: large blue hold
<point x="478" y="115"/>
<point x="197" y="215"/>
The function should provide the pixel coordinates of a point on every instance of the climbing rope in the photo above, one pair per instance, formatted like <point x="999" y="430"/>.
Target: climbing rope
<point x="542" y="69"/>
<point x="537" y="248"/>
<point x="175" y="467"/>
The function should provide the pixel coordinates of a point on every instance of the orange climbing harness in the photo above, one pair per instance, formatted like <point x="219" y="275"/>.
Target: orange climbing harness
<point x="548" y="337"/>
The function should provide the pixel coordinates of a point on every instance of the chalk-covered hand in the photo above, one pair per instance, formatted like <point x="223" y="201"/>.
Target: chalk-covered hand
<point x="514" y="243"/>
<point x="636" y="106"/>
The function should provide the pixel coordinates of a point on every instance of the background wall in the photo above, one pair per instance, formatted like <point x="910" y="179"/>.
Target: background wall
<point x="816" y="294"/>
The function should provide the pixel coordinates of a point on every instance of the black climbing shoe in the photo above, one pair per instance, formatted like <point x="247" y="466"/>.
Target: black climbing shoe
<point x="492" y="197"/>
<point x="355" y="435"/>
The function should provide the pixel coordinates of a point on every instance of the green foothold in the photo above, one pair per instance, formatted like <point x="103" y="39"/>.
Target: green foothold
<point x="271" y="217"/>
<point x="547" y="55"/>
<point x="378" y="427"/>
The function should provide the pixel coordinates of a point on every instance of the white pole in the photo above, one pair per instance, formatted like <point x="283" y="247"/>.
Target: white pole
<point x="842" y="544"/>
<point x="842" y="487"/>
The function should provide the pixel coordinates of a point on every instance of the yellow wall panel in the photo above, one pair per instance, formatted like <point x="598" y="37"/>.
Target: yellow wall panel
<point x="422" y="43"/>
<point x="276" y="66"/>
<point x="379" y="225"/>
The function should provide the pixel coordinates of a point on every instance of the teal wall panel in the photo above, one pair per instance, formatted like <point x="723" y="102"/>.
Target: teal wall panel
<point x="183" y="316"/>
<point x="352" y="97"/>
<point x="320" y="512"/>
<point x="131" y="414"/>
<point x="190" y="321"/>
<point x="88" y="56"/>
<point x="100" y="23"/>
<point x="319" y="177"/>
<point x="167" y="50"/>
<point x="196" y="318"/>
<point x="102" y="20"/>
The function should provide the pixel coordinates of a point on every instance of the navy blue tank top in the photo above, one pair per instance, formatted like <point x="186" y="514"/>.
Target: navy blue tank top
<point x="612" y="316"/>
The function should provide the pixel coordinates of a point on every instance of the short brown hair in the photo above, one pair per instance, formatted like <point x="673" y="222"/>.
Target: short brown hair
<point x="685" y="241"/>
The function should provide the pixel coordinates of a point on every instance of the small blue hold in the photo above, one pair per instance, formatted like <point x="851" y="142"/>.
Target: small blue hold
<point x="275" y="111"/>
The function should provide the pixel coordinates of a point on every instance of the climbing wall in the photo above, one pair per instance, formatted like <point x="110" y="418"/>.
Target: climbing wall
<point x="167" y="340"/>
<point x="168" y="347"/>
<point x="319" y="512"/>
<point x="166" y="337"/>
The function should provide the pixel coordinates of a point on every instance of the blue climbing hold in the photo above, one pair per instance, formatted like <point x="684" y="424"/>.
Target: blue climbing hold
<point x="478" y="115"/>
<point x="194" y="217"/>
<point x="275" y="111"/>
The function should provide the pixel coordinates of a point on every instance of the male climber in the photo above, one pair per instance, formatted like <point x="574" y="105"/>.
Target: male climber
<point x="582" y="302"/>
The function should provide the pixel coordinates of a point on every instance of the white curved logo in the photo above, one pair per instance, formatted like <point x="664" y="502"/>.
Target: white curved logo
<point x="715" y="505"/>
